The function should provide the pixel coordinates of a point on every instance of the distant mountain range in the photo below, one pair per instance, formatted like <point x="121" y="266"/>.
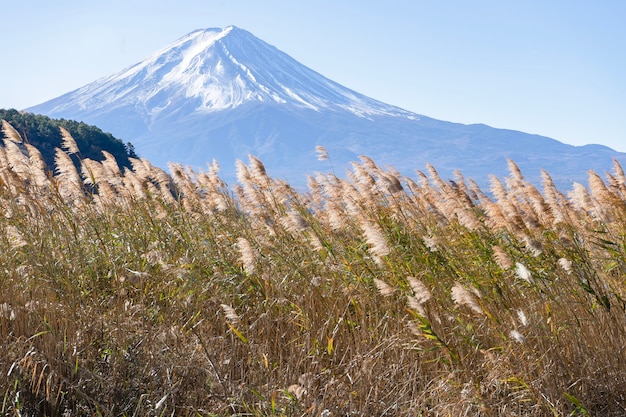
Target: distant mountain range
<point x="223" y="94"/>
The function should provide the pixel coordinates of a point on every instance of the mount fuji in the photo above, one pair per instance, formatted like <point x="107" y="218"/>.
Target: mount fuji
<point x="221" y="94"/>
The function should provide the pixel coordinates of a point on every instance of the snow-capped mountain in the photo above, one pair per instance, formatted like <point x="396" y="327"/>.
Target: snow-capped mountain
<point x="218" y="69"/>
<point x="223" y="93"/>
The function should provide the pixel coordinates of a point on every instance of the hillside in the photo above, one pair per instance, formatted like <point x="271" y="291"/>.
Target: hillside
<point x="43" y="133"/>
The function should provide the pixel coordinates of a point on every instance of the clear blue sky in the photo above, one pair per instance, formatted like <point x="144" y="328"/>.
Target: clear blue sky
<point x="555" y="68"/>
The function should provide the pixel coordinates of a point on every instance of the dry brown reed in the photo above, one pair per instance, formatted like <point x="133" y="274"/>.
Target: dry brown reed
<point x="141" y="292"/>
<point x="67" y="142"/>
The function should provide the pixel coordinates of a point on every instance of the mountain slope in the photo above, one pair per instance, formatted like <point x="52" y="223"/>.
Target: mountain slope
<point x="223" y="93"/>
<point x="215" y="69"/>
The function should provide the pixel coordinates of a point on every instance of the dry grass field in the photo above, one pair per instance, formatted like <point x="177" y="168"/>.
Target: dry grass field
<point x="146" y="293"/>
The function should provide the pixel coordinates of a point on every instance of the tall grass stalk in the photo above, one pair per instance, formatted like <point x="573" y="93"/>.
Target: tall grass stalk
<point x="139" y="292"/>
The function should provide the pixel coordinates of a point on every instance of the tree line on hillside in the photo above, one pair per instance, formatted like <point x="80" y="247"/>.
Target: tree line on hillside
<point x="43" y="133"/>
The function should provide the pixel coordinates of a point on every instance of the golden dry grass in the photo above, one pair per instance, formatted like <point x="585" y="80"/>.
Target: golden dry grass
<point x="147" y="293"/>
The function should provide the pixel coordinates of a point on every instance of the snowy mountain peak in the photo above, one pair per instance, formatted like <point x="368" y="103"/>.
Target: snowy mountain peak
<point x="222" y="94"/>
<point x="216" y="69"/>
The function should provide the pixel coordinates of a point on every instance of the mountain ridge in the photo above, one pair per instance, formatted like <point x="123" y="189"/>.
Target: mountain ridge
<point x="223" y="94"/>
<point x="201" y="65"/>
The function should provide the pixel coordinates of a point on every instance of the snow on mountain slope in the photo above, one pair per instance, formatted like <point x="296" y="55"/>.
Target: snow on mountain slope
<point x="217" y="69"/>
<point x="223" y="94"/>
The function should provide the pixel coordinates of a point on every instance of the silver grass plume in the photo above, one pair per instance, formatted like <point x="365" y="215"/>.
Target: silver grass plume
<point x="521" y="316"/>
<point x="420" y="291"/>
<point x="213" y="190"/>
<point x="257" y="171"/>
<point x="133" y="185"/>
<point x="37" y="167"/>
<point x="10" y="133"/>
<point x="517" y="336"/>
<point x="231" y="315"/>
<point x="436" y="179"/>
<point x="360" y="177"/>
<point x="533" y="246"/>
<point x="185" y="185"/>
<point x="602" y="198"/>
<point x="322" y="154"/>
<point x="501" y="258"/>
<point x="497" y="188"/>
<point x="477" y="193"/>
<point x="383" y="288"/>
<point x="375" y="239"/>
<point x="598" y="188"/>
<point x="580" y="197"/>
<point x="463" y="297"/>
<point x="251" y="199"/>
<point x="15" y="237"/>
<point x="517" y="179"/>
<point x="294" y="222"/>
<point x="69" y="182"/>
<point x="565" y="264"/>
<point x="67" y="141"/>
<point x="620" y="179"/>
<point x="315" y="191"/>
<point x="421" y="294"/>
<point x="523" y="273"/>
<point x="92" y="171"/>
<point x="111" y="169"/>
<point x="163" y="181"/>
<point x="431" y="242"/>
<point x="390" y="183"/>
<point x="554" y="199"/>
<point x="139" y="168"/>
<point x="352" y="199"/>
<point x="495" y="219"/>
<point x="18" y="161"/>
<point x="335" y="215"/>
<point x="7" y="176"/>
<point x="247" y="255"/>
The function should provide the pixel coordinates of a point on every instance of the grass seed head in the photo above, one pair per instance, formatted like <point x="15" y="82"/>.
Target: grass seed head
<point x="68" y="143"/>
<point x="501" y="258"/>
<point x="230" y="313"/>
<point x="523" y="273"/>
<point x="420" y="291"/>
<point x="565" y="264"/>
<point x="247" y="255"/>
<point x="463" y="297"/>
<point x="322" y="154"/>
<point x="384" y="289"/>
<point x="10" y="133"/>
<point x="517" y="336"/>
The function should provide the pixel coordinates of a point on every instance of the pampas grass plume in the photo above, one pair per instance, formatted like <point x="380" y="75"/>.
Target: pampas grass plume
<point x="463" y="297"/>
<point x="68" y="143"/>
<point x="383" y="288"/>
<point x="322" y="154"/>
<point x="521" y="316"/>
<point x="517" y="336"/>
<point x="376" y="240"/>
<point x="230" y="313"/>
<point x="420" y="291"/>
<point x="10" y="133"/>
<point x="565" y="264"/>
<point x="501" y="258"/>
<point x="15" y="237"/>
<point x="523" y="273"/>
<point x="247" y="255"/>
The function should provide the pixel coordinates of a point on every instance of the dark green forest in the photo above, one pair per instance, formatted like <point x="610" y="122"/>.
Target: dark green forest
<point x="43" y="133"/>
